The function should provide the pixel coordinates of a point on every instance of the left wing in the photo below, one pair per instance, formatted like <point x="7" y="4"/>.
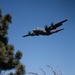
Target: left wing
<point x="60" y="23"/>
<point x="54" y="26"/>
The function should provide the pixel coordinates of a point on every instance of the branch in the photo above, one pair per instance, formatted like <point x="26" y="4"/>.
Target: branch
<point x="43" y="71"/>
<point x="32" y="73"/>
<point x="52" y="70"/>
<point x="60" y="71"/>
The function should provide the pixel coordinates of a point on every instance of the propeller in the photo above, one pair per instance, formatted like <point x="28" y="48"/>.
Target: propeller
<point x="29" y="33"/>
<point x="46" y="27"/>
<point x="52" y="24"/>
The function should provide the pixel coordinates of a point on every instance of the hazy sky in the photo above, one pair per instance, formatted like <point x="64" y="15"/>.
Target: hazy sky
<point x="38" y="51"/>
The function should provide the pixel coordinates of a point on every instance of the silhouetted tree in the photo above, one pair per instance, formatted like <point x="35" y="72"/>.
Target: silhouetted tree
<point x="8" y="59"/>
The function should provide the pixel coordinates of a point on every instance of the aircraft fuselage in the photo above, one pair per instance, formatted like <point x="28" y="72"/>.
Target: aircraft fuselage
<point x="43" y="32"/>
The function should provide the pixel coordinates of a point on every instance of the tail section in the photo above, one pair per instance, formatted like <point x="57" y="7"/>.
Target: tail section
<point x="59" y="30"/>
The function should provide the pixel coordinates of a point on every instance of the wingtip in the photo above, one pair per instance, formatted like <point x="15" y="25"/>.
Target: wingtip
<point x="23" y="36"/>
<point x="66" y="20"/>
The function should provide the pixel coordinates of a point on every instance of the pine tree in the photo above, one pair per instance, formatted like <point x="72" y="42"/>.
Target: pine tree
<point x="8" y="59"/>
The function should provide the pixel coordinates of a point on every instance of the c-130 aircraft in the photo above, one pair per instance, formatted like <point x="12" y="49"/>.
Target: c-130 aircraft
<point x="48" y="30"/>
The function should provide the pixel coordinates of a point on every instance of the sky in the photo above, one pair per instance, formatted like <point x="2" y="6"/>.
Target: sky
<point x="56" y="50"/>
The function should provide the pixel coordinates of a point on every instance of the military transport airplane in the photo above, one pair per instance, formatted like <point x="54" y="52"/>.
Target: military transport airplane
<point x="47" y="31"/>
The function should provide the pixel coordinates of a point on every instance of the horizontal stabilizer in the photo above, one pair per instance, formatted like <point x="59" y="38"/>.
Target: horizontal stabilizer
<point x="60" y="30"/>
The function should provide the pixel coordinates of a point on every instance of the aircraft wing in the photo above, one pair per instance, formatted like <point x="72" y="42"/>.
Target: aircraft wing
<point x="26" y="35"/>
<point x="60" y="23"/>
<point x="29" y="34"/>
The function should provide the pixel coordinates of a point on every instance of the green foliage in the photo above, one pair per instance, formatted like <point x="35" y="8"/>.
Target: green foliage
<point x="20" y="70"/>
<point x="18" y="55"/>
<point x="8" y="59"/>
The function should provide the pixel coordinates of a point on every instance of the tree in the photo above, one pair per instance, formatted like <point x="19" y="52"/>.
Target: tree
<point x="8" y="59"/>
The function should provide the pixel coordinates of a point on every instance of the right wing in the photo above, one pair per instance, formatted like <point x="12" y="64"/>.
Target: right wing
<point x="29" y="34"/>
<point x="26" y="35"/>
